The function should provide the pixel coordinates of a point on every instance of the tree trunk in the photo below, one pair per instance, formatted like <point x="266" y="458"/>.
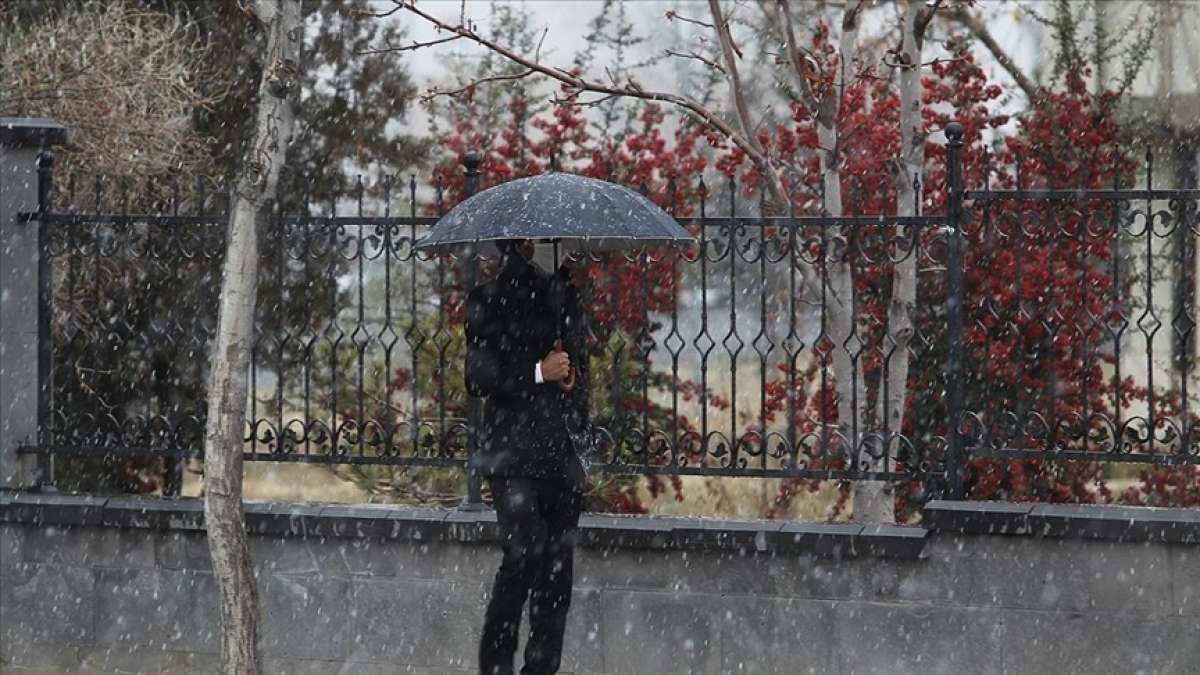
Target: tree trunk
<point x="227" y="390"/>
<point x="877" y="504"/>
<point x="840" y="312"/>
<point x="839" y="309"/>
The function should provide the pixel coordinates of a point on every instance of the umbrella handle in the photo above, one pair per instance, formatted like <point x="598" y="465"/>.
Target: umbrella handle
<point x="558" y="317"/>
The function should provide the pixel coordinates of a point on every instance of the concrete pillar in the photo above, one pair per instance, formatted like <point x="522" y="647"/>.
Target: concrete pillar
<point x="21" y="139"/>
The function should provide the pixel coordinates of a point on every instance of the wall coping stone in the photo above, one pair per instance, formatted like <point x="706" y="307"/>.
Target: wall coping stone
<point x="1083" y="521"/>
<point x="837" y="540"/>
<point x="27" y="131"/>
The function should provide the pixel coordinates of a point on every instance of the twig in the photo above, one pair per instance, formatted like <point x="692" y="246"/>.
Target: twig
<point x="693" y="55"/>
<point x="408" y="48"/>
<point x="434" y="93"/>
<point x="672" y="15"/>
<point x="537" y="53"/>
<point x="377" y="15"/>
<point x="557" y="100"/>
<point x="956" y="59"/>
<point x="890" y="60"/>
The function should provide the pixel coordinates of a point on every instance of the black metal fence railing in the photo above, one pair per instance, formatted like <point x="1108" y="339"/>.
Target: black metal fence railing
<point x="717" y="360"/>
<point x="1115" y="331"/>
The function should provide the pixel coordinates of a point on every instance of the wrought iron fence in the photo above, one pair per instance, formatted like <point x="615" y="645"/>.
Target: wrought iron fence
<point x="716" y="360"/>
<point x="1114" y="333"/>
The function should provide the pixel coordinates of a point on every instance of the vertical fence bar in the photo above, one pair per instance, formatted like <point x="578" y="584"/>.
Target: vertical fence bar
<point x="388" y="250"/>
<point x="333" y="332"/>
<point x="470" y="271"/>
<point x="414" y="339"/>
<point x="674" y="253"/>
<point x="703" y="351"/>
<point x="762" y="333"/>
<point x="363" y="342"/>
<point x="172" y="484"/>
<point x="731" y="336"/>
<point x="309" y="344"/>
<point x="281" y="340"/>
<point x="69" y="393"/>
<point x="45" y="461"/>
<point x="791" y="347"/>
<point x="675" y="330"/>
<point x="438" y="338"/>
<point x="955" y="461"/>
<point x="1148" y="322"/>
<point x="642" y="343"/>
<point x="1185" y="287"/>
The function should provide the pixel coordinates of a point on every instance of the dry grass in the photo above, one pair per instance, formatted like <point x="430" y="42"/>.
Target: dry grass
<point x="739" y="498"/>
<point x="287" y="482"/>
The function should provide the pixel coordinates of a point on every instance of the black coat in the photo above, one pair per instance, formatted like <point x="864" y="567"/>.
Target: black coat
<point x="511" y="325"/>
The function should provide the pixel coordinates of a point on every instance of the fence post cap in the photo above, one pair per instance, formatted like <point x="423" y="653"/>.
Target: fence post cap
<point x="32" y="131"/>
<point x="472" y="160"/>
<point x="954" y="132"/>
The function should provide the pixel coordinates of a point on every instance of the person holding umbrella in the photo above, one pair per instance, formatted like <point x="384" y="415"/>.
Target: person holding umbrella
<point x="526" y="357"/>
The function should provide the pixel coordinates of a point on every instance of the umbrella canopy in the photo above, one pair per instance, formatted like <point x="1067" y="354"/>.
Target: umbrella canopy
<point x="583" y="213"/>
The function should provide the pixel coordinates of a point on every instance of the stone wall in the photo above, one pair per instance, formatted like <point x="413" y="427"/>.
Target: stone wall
<point x="93" y="585"/>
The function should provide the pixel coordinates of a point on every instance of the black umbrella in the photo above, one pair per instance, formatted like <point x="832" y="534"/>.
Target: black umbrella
<point x="587" y="214"/>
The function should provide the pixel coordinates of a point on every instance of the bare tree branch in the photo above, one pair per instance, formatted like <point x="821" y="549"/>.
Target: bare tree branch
<point x="409" y="48"/>
<point x="730" y="54"/>
<point x="434" y="93"/>
<point x="559" y="100"/>
<point x="580" y="84"/>
<point x="378" y="15"/>
<point x="672" y="15"/>
<point x="807" y="96"/>
<point x="847" y="54"/>
<point x="693" y="55"/>
<point x="737" y="92"/>
<point x="974" y="23"/>
<point x="925" y="16"/>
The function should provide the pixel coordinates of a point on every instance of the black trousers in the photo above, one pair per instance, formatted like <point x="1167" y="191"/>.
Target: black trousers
<point x="538" y="521"/>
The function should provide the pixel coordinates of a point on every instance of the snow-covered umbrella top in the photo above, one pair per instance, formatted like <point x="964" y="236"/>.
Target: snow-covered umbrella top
<point x="583" y="213"/>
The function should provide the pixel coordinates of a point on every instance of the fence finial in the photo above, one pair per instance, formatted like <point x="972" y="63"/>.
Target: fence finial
<point x="954" y="133"/>
<point x="472" y="160"/>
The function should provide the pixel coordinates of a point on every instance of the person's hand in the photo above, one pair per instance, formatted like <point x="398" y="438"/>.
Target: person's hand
<point x="556" y="367"/>
<point x="568" y="383"/>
